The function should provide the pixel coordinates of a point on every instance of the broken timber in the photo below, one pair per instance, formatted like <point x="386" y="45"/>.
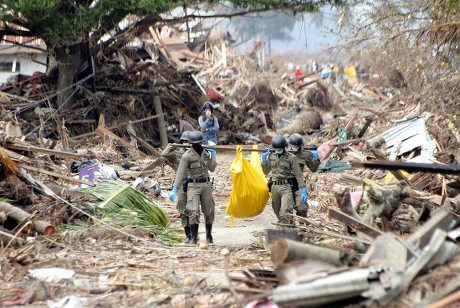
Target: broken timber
<point x="26" y="148"/>
<point x="20" y="215"/>
<point x="354" y="223"/>
<point x="284" y="250"/>
<point x="102" y="131"/>
<point x="396" y="173"/>
<point x="410" y="167"/>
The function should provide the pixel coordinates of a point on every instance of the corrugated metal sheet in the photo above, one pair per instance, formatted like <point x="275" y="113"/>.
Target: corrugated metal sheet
<point x="410" y="134"/>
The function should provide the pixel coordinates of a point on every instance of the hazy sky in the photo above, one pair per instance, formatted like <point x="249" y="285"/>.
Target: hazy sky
<point x="310" y="32"/>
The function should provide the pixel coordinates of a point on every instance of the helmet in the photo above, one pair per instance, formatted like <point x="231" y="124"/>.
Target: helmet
<point x="207" y="105"/>
<point x="185" y="136"/>
<point x="297" y="67"/>
<point x="279" y="142"/>
<point x="195" y="137"/>
<point x="296" y="140"/>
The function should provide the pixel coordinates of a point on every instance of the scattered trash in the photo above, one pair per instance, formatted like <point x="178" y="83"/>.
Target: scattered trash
<point x="52" y="274"/>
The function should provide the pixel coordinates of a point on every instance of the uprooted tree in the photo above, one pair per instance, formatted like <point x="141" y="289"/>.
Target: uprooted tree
<point x="73" y="30"/>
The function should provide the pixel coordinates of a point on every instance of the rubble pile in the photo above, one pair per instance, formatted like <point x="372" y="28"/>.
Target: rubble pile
<point x="383" y="224"/>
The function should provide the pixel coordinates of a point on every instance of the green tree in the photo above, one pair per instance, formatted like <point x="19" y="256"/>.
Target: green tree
<point x="73" y="28"/>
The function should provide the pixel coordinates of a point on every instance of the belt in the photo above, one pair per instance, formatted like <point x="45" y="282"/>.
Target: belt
<point x="200" y="180"/>
<point x="280" y="182"/>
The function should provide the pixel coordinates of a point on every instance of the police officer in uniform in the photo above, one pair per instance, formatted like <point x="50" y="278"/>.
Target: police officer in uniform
<point x="174" y="155"/>
<point x="282" y="165"/>
<point x="304" y="158"/>
<point x="197" y="162"/>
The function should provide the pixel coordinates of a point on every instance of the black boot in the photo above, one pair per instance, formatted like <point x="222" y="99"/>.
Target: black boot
<point x="194" y="233"/>
<point x="187" y="234"/>
<point x="208" y="233"/>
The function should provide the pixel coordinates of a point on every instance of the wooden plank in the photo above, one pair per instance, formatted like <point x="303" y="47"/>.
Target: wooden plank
<point x="441" y="220"/>
<point x="354" y="223"/>
<point x="15" y="156"/>
<point x="43" y="150"/>
<point x="57" y="175"/>
<point x="161" y="45"/>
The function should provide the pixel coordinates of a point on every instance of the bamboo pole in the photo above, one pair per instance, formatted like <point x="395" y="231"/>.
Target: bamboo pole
<point x="233" y="148"/>
<point x="20" y="215"/>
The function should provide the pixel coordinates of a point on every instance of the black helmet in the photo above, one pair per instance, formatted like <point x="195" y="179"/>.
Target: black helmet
<point x="195" y="137"/>
<point x="279" y="142"/>
<point x="207" y="105"/>
<point x="185" y="136"/>
<point x="296" y="140"/>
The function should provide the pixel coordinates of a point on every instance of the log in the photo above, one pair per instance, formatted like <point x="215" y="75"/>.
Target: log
<point x="20" y="215"/>
<point x="161" y="120"/>
<point x="284" y="250"/>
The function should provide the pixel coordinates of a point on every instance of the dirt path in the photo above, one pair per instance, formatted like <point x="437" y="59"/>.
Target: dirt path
<point x="243" y="231"/>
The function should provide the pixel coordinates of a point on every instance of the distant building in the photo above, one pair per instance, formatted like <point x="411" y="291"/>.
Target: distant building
<point x="21" y="55"/>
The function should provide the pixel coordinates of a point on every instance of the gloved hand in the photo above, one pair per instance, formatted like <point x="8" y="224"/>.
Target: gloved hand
<point x="212" y="152"/>
<point x="172" y="195"/>
<point x="304" y="194"/>
<point x="265" y="156"/>
<point x="314" y="154"/>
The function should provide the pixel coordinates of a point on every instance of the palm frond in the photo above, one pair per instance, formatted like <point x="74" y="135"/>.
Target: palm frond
<point x="124" y="206"/>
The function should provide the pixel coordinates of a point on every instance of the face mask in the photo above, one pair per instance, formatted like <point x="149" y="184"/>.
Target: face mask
<point x="279" y="151"/>
<point x="198" y="148"/>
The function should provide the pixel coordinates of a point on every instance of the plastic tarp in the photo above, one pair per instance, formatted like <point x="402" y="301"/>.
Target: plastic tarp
<point x="249" y="194"/>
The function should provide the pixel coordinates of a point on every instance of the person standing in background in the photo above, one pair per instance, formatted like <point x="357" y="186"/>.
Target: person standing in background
<point x="209" y="125"/>
<point x="298" y="73"/>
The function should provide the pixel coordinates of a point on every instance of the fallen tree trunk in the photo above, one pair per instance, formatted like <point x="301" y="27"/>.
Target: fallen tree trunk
<point x="19" y="215"/>
<point x="284" y="250"/>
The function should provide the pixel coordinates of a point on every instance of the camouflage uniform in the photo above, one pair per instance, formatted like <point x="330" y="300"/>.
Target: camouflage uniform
<point x="304" y="158"/>
<point x="199" y="187"/>
<point x="282" y="166"/>
<point x="174" y="155"/>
